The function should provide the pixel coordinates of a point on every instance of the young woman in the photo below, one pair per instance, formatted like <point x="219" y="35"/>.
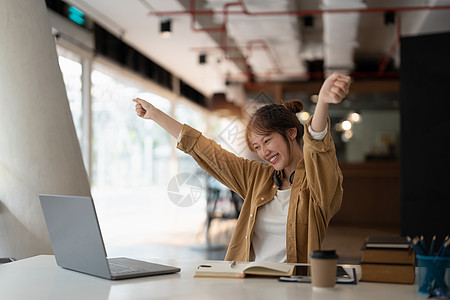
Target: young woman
<point x="289" y="198"/>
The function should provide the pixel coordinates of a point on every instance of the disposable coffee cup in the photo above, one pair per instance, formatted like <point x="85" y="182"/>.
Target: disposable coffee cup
<point x="323" y="268"/>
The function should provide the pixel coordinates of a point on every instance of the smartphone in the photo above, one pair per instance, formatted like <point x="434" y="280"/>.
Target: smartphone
<point x="302" y="273"/>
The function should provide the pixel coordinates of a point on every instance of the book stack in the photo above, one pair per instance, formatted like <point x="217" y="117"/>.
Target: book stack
<point x="387" y="259"/>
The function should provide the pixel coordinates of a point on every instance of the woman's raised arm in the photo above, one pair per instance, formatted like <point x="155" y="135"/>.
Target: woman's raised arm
<point x="333" y="90"/>
<point x="146" y="110"/>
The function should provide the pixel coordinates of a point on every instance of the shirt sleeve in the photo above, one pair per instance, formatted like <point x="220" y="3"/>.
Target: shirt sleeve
<point x="322" y="169"/>
<point x="231" y="170"/>
<point x="318" y="136"/>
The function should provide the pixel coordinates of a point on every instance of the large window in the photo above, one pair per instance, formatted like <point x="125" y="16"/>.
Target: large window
<point x="71" y="69"/>
<point x="133" y="160"/>
<point x="186" y="114"/>
<point x="127" y="151"/>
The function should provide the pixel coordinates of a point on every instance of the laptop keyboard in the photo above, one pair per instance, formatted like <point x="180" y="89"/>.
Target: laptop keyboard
<point x="123" y="269"/>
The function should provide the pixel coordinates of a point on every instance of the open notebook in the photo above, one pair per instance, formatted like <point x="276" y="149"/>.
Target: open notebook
<point x="242" y="269"/>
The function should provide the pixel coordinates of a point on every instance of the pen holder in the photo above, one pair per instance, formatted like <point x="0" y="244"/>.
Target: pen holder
<point x="433" y="272"/>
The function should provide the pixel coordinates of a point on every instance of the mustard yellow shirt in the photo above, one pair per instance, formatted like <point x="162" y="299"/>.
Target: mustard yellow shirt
<point x="316" y="192"/>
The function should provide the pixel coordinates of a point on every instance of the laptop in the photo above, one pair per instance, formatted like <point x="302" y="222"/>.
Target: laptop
<point x="78" y="243"/>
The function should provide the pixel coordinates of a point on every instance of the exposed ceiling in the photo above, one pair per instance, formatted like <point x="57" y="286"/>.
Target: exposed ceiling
<point x="268" y="40"/>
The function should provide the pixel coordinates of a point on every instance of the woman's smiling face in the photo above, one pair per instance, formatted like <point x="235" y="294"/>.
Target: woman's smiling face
<point x="272" y="148"/>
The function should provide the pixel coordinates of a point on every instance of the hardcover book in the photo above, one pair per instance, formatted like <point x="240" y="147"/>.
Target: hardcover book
<point x="387" y="259"/>
<point x="395" y="250"/>
<point x="388" y="273"/>
<point x="390" y="242"/>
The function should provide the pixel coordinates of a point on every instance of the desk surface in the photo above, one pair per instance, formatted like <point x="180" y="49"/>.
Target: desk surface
<point x="40" y="278"/>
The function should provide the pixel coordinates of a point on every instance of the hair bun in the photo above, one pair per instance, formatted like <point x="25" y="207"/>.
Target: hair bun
<point x="294" y="105"/>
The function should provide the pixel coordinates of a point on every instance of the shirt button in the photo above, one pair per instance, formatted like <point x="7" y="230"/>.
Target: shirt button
<point x="246" y="237"/>
<point x="274" y="186"/>
<point x="262" y="198"/>
<point x="251" y="215"/>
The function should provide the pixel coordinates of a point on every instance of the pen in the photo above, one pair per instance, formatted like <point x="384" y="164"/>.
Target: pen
<point x="232" y="264"/>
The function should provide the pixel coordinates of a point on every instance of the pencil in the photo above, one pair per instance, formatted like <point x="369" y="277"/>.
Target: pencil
<point x="433" y="241"/>
<point x="447" y="249"/>
<point x="416" y="246"/>
<point x="443" y="251"/>
<point x="422" y="243"/>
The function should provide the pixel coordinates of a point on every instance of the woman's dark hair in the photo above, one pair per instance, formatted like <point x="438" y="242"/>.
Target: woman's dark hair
<point x="276" y="118"/>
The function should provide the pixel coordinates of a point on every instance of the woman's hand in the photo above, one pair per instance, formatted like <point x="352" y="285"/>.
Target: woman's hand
<point x="147" y="111"/>
<point x="334" y="89"/>
<point x="143" y="108"/>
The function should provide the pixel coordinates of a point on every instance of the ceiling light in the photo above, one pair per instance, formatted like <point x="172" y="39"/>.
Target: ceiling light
<point x="166" y="30"/>
<point x="346" y="125"/>
<point x="346" y="136"/>
<point x="304" y="116"/>
<point x="308" y="21"/>
<point x="202" y="58"/>
<point x="355" y="117"/>
<point x="389" y="17"/>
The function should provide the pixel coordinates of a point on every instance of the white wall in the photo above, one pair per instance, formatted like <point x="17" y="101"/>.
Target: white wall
<point x="39" y="150"/>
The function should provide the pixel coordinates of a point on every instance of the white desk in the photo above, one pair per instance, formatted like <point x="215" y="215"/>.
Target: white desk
<point x="40" y="278"/>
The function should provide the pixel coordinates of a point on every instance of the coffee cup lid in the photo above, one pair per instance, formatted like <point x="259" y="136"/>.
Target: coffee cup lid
<point x="324" y="254"/>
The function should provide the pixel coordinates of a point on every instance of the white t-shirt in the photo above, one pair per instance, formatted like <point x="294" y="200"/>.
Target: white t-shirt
<point x="269" y="237"/>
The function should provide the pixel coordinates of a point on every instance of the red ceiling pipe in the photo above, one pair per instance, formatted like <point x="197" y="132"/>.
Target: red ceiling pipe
<point x="222" y="29"/>
<point x="263" y="45"/>
<point x="394" y="46"/>
<point x="317" y="75"/>
<point x="348" y="10"/>
<point x="297" y="12"/>
<point x="244" y="10"/>
<point x="223" y="39"/>
<point x="193" y="12"/>
<point x="251" y="45"/>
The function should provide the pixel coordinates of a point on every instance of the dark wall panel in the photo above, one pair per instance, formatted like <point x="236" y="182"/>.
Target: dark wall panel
<point x="425" y="125"/>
